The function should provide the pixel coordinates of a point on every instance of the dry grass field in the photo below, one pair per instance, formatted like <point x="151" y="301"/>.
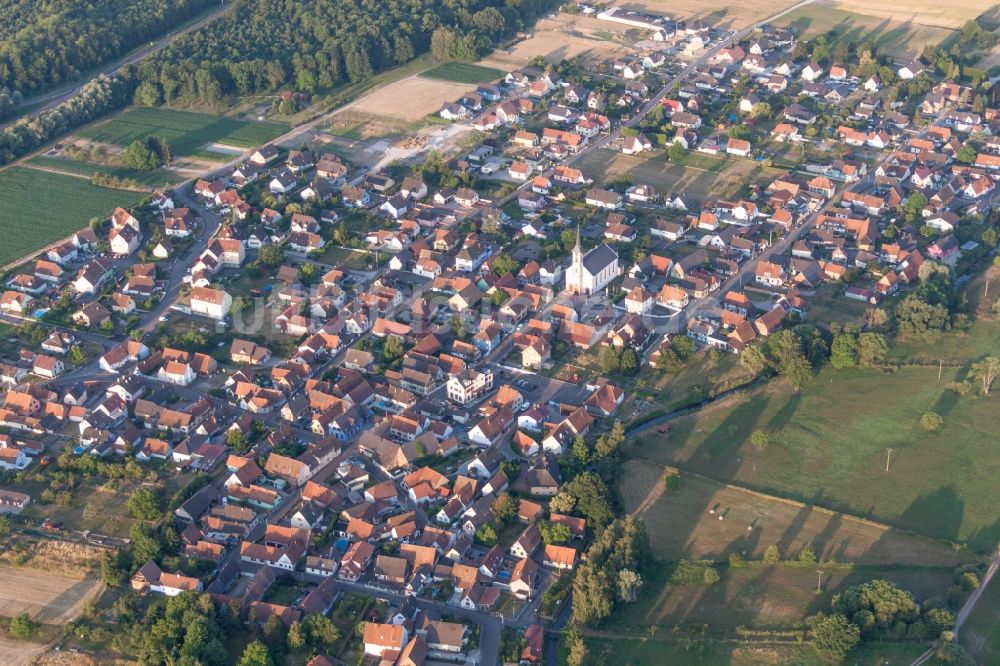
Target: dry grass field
<point x="717" y="13"/>
<point x="410" y="99"/>
<point x="47" y="597"/>
<point x="563" y="37"/>
<point x="901" y="27"/>
<point x="682" y="527"/>
<point x="951" y="14"/>
<point x="19" y="653"/>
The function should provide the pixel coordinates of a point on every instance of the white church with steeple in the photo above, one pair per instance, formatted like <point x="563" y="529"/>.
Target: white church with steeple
<point x="591" y="272"/>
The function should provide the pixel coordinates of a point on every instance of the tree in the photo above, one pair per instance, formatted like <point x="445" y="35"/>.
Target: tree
<point x="578" y="655"/>
<point x="505" y="264"/>
<point x="144" y="504"/>
<point x="4" y="526"/>
<point x="148" y="94"/>
<point x="76" y="355"/>
<point x="590" y="497"/>
<point x="752" y="360"/>
<point x="610" y="443"/>
<point x="760" y="438"/>
<point x="676" y="153"/>
<point x="629" y="361"/>
<point x="966" y="154"/>
<point x="271" y="255"/>
<point x="607" y="359"/>
<point x="146" y="155"/>
<point x="931" y="421"/>
<point x="256" y="654"/>
<point x="872" y="348"/>
<point x="392" y="348"/>
<point x="878" y="608"/>
<point x="593" y="597"/>
<point x="145" y="545"/>
<point x="984" y="373"/>
<point x="761" y="110"/>
<point x="772" y="555"/>
<point x="296" y="636"/>
<point x="711" y="575"/>
<point x="629" y="583"/>
<point x="581" y="450"/>
<point x="504" y="507"/>
<point x="237" y="440"/>
<point x="844" y="351"/>
<point x="321" y="630"/>
<point x="554" y="533"/>
<point x="786" y="347"/>
<point x="835" y="636"/>
<point x="486" y="535"/>
<point x="22" y="626"/>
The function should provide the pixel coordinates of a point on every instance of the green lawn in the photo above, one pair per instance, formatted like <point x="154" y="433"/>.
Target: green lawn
<point x="762" y="598"/>
<point x="157" y="178"/>
<point x="829" y="443"/>
<point x="640" y="652"/>
<point x="188" y="133"/>
<point x="463" y="72"/>
<point x="39" y="208"/>
<point x="981" y="632"/>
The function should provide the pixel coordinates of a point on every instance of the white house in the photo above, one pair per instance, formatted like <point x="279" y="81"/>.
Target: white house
<point x="213" y="303"/>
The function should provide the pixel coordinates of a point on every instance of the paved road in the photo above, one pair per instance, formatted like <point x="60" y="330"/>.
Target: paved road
<point x="53" y="98"/>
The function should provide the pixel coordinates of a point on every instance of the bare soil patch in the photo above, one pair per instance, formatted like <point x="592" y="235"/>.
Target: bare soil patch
<point x="410" y="99"/>
<point x="561" y="38"/>
<point x="45" y="596"/>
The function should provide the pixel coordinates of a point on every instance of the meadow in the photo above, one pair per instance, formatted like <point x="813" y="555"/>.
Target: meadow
<point x="981" y="632"/>
<point x="187" y="133"/>
<point x="157" y="178"/>
<point x="463" y="72"/>
<point x="39" y="208"/>
<point x="829" y="443"/>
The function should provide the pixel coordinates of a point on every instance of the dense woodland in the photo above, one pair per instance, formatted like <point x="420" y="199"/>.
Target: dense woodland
<point x="262" y="46"/>
<point x="267" y="44"/>
<point x="46" y="42"/>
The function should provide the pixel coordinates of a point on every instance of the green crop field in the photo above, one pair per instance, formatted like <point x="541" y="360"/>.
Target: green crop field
<point x="463" y="72"/>
<point x="981" y="632"/>
<point x="829" y="443"/>
<point x="38" y="208"/>
<point x="187" y="133"/>
<point x="157" y="178"/>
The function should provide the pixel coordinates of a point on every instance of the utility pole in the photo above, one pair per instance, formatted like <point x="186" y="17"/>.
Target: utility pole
<point x="888" y="452"/>
<point x="819" y="581"/>
<point x="940" y="368"/>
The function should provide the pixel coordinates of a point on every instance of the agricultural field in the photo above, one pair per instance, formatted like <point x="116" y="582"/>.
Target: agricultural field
<point x="410" y="100"/>
<point x="463" y="72"/>
<point x="705" y="519"/>
<point x="563" y="37"/>
<point x="981" y="632"/>
<point x="189" y="134"/>
<point x="39" y="208"/>
<point x="716" y="13"/>
<point x="642" y="651"/>
<point x="759" y="597"/>
<point x="936" y="485"/>
<point x="157" y="178"/>
<point x="900" y="32"/>
<point x="47" y="597"/>
<point x="18" y="652"/>
<point x="701" y="176"/>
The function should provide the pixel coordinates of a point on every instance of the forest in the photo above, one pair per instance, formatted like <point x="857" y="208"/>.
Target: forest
<point x="47" y="42"/>
<point x="262" y="46"/>
<point x="265" y="44"/>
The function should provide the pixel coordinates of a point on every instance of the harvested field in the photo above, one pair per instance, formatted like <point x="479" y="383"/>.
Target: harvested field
<point x="20" y="653"/>
<point x="716" y="13"/>
<point x="47" y="597"/>
<point x="682" y="527"/>
<point x="951" y="14"/>
<point x="410" y="99"/>
<point x="900" y="34"/>
<point x="561" y="38"/>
